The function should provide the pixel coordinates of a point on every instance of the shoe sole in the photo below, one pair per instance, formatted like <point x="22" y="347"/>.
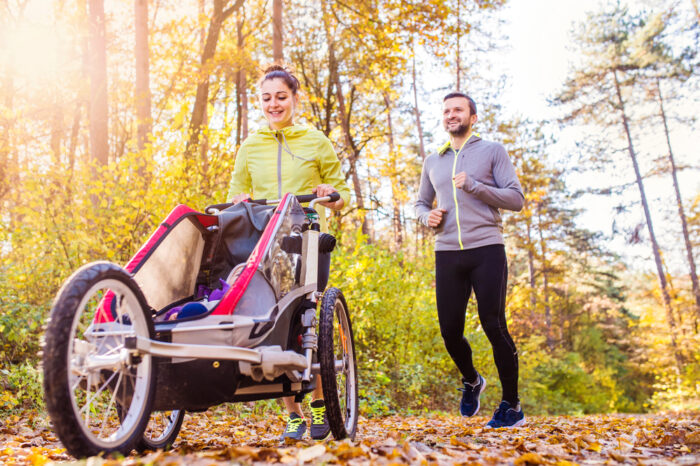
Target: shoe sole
<point x="478" y="398"/>
<point x="520" y="423"/>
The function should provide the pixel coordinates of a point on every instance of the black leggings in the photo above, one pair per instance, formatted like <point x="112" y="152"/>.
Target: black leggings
<point x="485" y="270"/>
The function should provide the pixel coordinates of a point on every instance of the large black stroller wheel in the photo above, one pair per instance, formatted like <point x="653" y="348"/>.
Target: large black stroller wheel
<point x="98" y="394"/>
<point x="336" y="355"/>
<point x="162" y="430"/>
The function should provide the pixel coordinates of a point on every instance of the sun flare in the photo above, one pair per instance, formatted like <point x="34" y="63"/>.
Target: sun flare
<point x="32" y="51"/>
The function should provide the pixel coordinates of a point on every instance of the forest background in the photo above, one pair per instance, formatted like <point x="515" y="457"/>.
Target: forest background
<point x="112" y="113"/>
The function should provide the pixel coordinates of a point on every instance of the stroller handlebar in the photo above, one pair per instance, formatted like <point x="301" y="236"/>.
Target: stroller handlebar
<point x="303" y="198"/>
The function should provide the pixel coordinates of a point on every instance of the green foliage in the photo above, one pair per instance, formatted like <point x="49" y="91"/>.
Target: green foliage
<point x="404" y="366"/>
<point x="21" y="388"/>
<point x="587" y="343"/>
<point x="20" y="327"/>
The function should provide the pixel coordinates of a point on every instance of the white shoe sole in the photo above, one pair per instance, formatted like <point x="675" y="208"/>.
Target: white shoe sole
<point x="520" y="423"/>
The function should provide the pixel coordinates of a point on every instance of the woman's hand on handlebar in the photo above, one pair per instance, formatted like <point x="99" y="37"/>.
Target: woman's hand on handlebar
<point x="323" y="190"/>
<point x="240" y="198"/>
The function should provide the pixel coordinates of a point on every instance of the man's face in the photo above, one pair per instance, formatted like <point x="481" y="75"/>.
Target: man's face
<point x="456" y="117"/>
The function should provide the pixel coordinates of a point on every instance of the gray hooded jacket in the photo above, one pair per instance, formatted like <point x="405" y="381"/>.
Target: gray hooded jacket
<point x="472" y="219"/>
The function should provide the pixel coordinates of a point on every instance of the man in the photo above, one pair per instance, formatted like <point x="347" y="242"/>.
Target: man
<point x="472" y="179"/>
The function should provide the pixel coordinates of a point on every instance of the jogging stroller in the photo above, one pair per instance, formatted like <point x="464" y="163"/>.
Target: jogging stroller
<point x="215" y="307"/>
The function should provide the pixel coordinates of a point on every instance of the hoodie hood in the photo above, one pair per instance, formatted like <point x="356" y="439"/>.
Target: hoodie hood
<point x="290" y="132"/>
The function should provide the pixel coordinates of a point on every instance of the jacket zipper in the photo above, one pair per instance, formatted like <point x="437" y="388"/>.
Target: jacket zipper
<point x="454" y="192"/>
<point x="279" y="166"/>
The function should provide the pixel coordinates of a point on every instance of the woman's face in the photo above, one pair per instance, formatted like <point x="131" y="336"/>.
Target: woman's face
<point x="278" y="103"/>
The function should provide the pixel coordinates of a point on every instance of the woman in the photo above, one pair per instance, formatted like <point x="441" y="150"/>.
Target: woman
<point x="283" y="158"/>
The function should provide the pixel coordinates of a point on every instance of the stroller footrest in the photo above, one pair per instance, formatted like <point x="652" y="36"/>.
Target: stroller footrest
<point x="275" y="362"/>
<point x="181" y="350"/>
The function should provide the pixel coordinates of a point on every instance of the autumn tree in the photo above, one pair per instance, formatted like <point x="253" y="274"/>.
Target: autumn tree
<point x="598" y="92"/>
<point x="223" y="9"/>
<point x="662" y="67"/>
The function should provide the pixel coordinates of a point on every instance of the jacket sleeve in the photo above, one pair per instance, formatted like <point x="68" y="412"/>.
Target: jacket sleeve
<point x="426" y="195"/>
<point x="508" y="194"/>
<point x="240" y="180"/>
<point x="330" y="170"/>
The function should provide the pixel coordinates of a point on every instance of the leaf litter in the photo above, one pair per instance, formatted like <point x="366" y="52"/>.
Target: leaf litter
<point x="218" y="437"/>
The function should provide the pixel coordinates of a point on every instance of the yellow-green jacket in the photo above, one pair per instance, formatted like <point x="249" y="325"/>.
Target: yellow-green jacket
<point x="294" y="159"/>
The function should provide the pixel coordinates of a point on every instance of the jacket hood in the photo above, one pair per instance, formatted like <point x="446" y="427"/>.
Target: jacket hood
<point x="472" y="139"/>
<point x="290" y="132"/>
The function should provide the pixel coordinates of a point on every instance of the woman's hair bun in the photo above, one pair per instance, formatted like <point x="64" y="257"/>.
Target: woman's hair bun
<point x="280" y="72"/>
<point x="272" y="68"/>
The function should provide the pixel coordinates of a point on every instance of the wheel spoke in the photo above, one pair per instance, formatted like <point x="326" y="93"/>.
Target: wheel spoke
<point x="97" y="392"/>
<point x="110" y="404"/>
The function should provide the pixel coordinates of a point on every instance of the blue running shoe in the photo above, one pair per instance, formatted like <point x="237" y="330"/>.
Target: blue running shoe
<point x="507" y="416"/>
<point x="469" y="405"/>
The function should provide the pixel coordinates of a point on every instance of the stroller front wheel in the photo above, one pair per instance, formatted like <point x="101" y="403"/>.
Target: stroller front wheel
<point x="336" y="355"/>
<point x="98" y="394"/>
<point x="162" y="430"/>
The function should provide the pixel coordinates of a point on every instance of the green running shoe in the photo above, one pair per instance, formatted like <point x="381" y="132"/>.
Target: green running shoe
<point x="296" y="427"/>
<point x="319" y="423"/>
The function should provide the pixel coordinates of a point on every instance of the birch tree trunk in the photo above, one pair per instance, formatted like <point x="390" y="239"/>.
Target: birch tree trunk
<point x="681" y="211"/>
<point x="673" y="328"/>
<point x="396" y="217"/>
<point x="531" y="272"/>
<point x="416" y="112"/>
<point x="241" y="86"/>
<point x="545" y="282"/>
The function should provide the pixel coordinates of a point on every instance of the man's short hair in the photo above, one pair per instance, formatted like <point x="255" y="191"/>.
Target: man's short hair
<point x="472" y="104"/>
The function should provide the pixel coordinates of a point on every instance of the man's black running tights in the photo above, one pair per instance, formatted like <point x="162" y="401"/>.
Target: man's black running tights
<point x="485" y="270"/>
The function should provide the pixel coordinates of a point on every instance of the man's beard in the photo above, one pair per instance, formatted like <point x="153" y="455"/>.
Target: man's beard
<point x="461" y="130"/>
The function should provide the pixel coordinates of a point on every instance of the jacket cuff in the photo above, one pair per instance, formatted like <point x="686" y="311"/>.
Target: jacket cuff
<point x="470" y="185"/>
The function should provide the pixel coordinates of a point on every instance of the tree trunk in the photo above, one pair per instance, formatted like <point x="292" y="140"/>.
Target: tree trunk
<point x="681" y="211"/>
<point x="545" y="282"/>
<point x="697" y="10"/>
<point x="652" y="237"/>
<point x="142" y="84"/>
<point x="459" y="39"/>
<point x="393" y="177"/>
<point x="6" y="128"/>
<point x="244" y="105"/>
<point x="353" y="151"/>
<point x="197" y="121"/>
<point x="416" y="112"/>
<point x="277" y="30"/>
<point x="56" y="130"/>
<point x="74" y="132"/>
<point x="241" y="88"/>
<point x="99" y="116"/>
<point x="531" y="273"/>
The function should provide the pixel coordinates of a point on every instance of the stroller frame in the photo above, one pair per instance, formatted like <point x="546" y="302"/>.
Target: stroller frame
<point x="103" y="352"/>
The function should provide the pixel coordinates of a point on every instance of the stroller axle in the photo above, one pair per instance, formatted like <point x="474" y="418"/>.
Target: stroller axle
<point x="268" y="362"/>
<point x="179" y="350"/>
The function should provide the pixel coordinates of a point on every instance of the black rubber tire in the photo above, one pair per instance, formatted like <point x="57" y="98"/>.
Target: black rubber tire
<point x="167" y="438"/>
<point x="65" y="321"/>
<point x="342" y="414"/>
